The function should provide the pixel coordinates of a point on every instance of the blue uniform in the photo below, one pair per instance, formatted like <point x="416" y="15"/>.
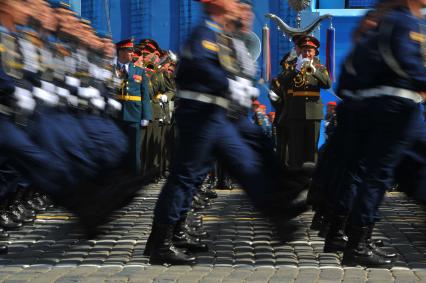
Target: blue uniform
<point x="206" y="133"/>
<point x="379" y="118"/>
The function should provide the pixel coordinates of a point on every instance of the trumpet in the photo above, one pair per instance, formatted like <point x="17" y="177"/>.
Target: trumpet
<point x="308" y="68"/>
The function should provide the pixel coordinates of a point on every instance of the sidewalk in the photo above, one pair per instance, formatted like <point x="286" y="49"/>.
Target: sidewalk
<point x="242" y="248"/>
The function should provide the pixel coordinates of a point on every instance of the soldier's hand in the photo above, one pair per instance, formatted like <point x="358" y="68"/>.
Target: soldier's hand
<point x="273" y="96"/>
<point x="299" y="63"/>
<point x="164" y="98"/>
<point x="144" y="123"/>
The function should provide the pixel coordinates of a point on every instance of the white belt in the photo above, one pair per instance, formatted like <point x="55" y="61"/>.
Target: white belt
<point x="385" y="90"/>
<point x="204" y="97"/>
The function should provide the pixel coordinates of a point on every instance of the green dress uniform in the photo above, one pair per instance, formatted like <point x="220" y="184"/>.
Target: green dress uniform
<point x="300" y="111"/>
<point x="149" y="133"/>
<point x="158" y="121"/>
<point x="170" y="92"/>
<point x="133" y="95"/>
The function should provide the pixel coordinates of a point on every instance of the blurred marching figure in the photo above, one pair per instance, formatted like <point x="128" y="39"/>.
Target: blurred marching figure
<point x="56" y="116"/>
<point x="215" y="89"/>
<point x="384" y="77"/>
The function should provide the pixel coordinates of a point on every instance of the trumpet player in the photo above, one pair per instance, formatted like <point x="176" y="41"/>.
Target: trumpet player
<point x="297" y="97"/>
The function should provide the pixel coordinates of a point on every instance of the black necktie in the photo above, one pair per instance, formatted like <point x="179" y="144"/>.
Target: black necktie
<point x="124" y="71"/>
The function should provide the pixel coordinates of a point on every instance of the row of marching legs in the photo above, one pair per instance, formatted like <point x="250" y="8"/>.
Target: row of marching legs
<point x="359" y="248"/>
<point x="187" y="235"/>
<point x="19" y="204"/>
<point x="177" y="243"/>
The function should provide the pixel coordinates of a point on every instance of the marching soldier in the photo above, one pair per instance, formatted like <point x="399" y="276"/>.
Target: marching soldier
<point x="299" y="104"/>
<point x="379" y="120"/>
<point x="133" y="93"/>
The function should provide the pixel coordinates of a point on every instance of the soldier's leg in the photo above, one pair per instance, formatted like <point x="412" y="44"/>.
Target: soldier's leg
<point x="390" y="129"/>
<point x="260" y="180"/>
<point x="156" y="151"/>
<point x="296" y="143"/>
<point x="282" y="144"/>
<point x="194" y="148"/>
<point x="147" y="149"/>
<point x="312" y="132"/>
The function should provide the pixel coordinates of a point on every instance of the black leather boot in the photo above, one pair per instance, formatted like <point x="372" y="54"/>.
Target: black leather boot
<point x="358" y="252"/>
<point x="179" y="235"/>
<point x="3" y="249"/>
<point x="162" y="250"/>
<point x="198" y="233"/>
<point x="181" y="239"/>
<point x="209" y="192"/>
<point x="317" y="221"/>
<point x="6" y="219"/>
<point x="336" y="239"/>
<point x="376" y="248"/>
<point x="3" y="235"/>
<point x="26" y="215"/>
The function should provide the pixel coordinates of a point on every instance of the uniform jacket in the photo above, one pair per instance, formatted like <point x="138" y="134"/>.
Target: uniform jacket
<point x="199" y="68"/>
<point x="393" y="54"/>
<point x="300" y="107"/>
<point x="136" y="84"/>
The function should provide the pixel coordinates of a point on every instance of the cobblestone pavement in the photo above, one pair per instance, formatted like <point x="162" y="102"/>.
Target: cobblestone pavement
<point x="242" y="248"/>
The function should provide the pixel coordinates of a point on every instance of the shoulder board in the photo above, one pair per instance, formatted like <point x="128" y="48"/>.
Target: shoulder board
<point x="417" y="36"/>
<point x="211" y="46"/>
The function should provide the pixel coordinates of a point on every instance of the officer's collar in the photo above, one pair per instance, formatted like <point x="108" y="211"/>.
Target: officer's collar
<point x="213" y="25"/>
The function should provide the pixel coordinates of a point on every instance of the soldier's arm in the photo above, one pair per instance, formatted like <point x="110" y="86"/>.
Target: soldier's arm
<point x="323" y="77"/>
<point x="146" y="113"/>
<point x="200" y="61"/>
<point x="408" y="43"/>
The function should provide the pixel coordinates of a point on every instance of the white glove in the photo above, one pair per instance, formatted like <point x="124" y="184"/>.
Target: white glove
<point x="49" y="87"/>
<point x="254" y="92"/>
<point x="273" y="96"/>
<point x="163" y="98"/>
<point x="62" y="92"/>
<point x="242" y="91"/>
<point x="19" y="92"/>
<point x="299" y="63"/>
<point x="98" y="103"/>
<point x="238" y="93"/>
<point x="24" y="100"/>
<point x="72" y="100"/>
<point x="88" y="92"/>
<point x="48" y="98"/>
<point x="114" y="104"/>
<point x="144" y="123"/>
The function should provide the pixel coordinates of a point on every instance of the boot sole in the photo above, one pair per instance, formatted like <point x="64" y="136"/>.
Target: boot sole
<point x="171" y="262"/>
<point x="354" y="262"/>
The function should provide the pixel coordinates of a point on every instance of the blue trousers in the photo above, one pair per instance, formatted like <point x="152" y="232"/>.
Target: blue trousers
<point x="204" y="134"/>
<point x="41" y="167"/>
<point x="373" y="134"/>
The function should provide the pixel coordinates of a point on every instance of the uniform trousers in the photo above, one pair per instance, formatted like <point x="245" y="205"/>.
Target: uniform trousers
<point x="133" y="158"/>
<point x="373" y="135"/>
<point x="302" y="140"/>
<point x="204" y="134"/>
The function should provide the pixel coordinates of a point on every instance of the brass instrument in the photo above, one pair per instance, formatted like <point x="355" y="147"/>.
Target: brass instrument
<point x="308" y="68"/>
